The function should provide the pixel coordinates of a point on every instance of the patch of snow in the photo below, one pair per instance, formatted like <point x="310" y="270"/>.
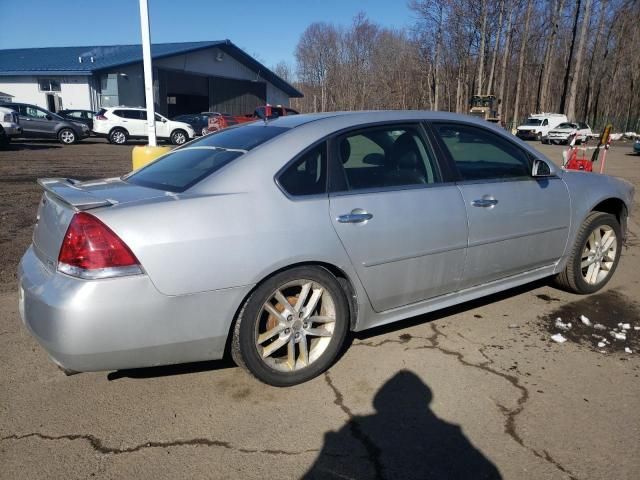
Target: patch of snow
<point x="561" y="325"/>
<point x="558" y="338"/>
<point x="618" y="336"/>
<point x="625" y="326"/>
<point x="602" y="344"/>
<point x="627" y="349"/>
<point x="585" y="320"/>
<point x="599" y="326"/>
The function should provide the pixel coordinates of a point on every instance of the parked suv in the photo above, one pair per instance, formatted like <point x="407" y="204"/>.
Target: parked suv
<point x="81" y="116"/>
<point x="119" y="124"/>
<point x="37" y="122"/>
<point x="9" y="126"/>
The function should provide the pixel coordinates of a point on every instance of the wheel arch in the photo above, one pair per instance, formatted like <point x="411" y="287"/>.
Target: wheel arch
<point x="616" y="207"/>
<point x="340" y="275"/>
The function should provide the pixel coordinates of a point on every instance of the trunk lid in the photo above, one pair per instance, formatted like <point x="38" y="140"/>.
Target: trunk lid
<point x="63" y="197"/>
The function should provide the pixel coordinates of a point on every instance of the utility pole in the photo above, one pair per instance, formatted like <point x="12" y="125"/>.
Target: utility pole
<point x="148" y="72"/>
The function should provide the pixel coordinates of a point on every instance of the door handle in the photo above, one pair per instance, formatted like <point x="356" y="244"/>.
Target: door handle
<point x="357" y="215"/>
<point x="485" y="202"/>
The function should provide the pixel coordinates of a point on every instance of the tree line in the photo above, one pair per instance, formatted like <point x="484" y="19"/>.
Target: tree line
<point x="578" y="57"/>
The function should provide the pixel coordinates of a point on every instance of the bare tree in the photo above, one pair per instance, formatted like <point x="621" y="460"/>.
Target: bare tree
<point x="573" y="90"/>
<point x="523" y="47"/>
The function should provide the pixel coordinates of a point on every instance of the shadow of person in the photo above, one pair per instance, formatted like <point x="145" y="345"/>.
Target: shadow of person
<point x="404" y="439"/>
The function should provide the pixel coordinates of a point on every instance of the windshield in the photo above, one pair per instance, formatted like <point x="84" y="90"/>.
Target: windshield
<point x="533" y="121"/>
<point x="182" y="168"/>
<point x="567" y="125"/>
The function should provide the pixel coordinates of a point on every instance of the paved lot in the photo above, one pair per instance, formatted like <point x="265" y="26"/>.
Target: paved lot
<point x="480" y="385"/>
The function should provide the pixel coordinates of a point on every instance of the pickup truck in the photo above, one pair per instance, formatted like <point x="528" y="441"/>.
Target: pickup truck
<point x="221" y="121"/>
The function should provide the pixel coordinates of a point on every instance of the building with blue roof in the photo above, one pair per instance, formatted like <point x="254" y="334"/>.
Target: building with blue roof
<point x="188" y="77"/>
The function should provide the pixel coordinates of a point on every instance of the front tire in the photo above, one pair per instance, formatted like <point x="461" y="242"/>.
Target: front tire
<point x="204" y="131"/>
<point x="179" y="137"/>
<point x="595" y="255"/>
<point x="67" y="136"/>
<point x="292" y="326"/>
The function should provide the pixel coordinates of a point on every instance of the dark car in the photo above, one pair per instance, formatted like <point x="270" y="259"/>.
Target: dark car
<point x="199" y="121"/>
<point x="83" y="116"/>
<point x="37" y="122"/>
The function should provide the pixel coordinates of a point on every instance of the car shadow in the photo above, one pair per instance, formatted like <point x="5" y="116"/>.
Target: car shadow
<point x="170" y="370"/>
<point x="404" y="439"/>
<point x="227" y="362"/>
<point x="15" y="146"/>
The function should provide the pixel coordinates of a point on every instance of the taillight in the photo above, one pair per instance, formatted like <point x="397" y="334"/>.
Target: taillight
<point x="92" y="250"/>
<point x="100" y="117"/>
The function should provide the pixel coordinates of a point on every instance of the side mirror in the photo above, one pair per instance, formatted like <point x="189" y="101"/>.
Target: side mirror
<point x="164" y="120"/>
<point x="541" y="169"/>
<point x="49" y="117"/>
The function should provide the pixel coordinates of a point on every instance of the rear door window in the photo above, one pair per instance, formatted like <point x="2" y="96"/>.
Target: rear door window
<point x="386" y="157"/>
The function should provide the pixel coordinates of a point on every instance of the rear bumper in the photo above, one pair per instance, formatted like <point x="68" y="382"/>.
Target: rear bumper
<point x="111" y="324"/>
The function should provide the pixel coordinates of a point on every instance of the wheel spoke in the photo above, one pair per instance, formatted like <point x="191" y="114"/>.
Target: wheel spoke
<point x="273" y="311"/>
<point x="592" y="273"/>
<point x="304" y="293"/>
<point x="597" y="237"/>
<point x="321" y="319"/>
<point x="608" y="243"/>
<point x="587" y="262"/>
<point x="291" y="354"/>
<point x="263" y="337"/>
<point x="283" y="301"/>
<point x="272" y="347"/>
<point x="313" y="302"/>
<point x="318" y="332"/>
<point x="303" y="358"/>
<point x="609" y="256"/>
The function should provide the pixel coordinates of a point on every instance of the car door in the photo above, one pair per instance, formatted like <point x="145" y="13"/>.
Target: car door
<point x="403" y="226"/>
<point x="136" y="122"/>
<point x="516" y="222"/>
<point x="35" y="122"/>
<point x="162" y="126"/>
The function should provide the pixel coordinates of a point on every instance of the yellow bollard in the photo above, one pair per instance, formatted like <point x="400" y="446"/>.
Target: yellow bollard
<point x="143" y="154"/>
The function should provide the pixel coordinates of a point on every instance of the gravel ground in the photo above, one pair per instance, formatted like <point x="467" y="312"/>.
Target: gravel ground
<point x="475" y="391"/>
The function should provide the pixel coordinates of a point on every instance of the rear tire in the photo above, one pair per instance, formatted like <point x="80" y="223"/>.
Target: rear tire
<point x="67" y="136"/>
<point x="594" y="256"/>
<point x="118" y="136"/>
<point x="283" y="345"/>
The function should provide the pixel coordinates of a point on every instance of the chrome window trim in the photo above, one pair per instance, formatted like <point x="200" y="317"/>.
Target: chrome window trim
<point x="393" y="188"/>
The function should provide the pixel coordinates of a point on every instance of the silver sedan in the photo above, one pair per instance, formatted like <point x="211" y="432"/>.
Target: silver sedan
<point x="273" y="240"/>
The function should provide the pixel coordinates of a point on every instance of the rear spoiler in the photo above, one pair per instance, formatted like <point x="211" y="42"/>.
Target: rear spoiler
<point x="66" y="190"/>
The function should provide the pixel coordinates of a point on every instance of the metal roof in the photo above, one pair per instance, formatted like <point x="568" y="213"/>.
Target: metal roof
<point x="90" y="59"/>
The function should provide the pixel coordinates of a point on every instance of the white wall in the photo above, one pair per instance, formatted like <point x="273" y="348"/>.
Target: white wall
<point x="205" y="62"/>
<point x="74" y="90"/>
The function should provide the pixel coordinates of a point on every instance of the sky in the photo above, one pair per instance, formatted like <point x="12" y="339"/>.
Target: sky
<point x="266" y="29"/>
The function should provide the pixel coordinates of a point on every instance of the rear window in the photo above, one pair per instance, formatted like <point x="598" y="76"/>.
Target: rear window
<point x="244" y="137"/>
<point x="186" y="166"/>
<point x="179" y="170"/>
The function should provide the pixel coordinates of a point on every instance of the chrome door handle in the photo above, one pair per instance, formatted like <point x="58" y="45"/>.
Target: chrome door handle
<point x="357" y="215"/>
<point x="485" y="202"/>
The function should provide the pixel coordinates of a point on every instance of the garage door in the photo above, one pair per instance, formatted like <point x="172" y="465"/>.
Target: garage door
<point x="235" y="96"/>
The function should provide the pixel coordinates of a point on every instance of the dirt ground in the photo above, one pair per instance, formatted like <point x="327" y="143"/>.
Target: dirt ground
<point x="480" y="387"/>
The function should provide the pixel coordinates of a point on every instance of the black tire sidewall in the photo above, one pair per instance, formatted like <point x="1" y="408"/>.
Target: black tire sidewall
<point x="590" y="224"/>
<point x="245" y="331"/>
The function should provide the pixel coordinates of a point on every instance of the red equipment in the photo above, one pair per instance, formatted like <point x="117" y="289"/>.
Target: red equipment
<point x="573" y="162"/>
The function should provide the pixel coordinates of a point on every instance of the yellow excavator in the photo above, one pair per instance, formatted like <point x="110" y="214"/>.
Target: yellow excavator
<point x="485" y="107"/>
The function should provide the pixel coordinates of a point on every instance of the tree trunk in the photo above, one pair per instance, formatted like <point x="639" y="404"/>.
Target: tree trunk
<point x="483" y="34"/>
<point x="505" y="61"/>
<point x="588" y="98"/>
<point x="567" y="73"/>
<point x="573" y="90"/>
<point x="557" y="6"/>
<point x="495" y="49"/>
<point x="523" y="48"/>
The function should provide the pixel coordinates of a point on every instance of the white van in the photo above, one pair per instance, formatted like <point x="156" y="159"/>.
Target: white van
<point x="539" y="124"/>
<point x="9" y="126"/>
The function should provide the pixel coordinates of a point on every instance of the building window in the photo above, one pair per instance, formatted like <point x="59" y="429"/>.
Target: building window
<point x="49" y="85"/>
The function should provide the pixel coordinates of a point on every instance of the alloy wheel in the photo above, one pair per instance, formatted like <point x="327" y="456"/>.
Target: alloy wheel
<point x="295" y="325"/>
<point x="67" y="136"/>
<point x="118" y="137"/>
<point x="599" y="254"/>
